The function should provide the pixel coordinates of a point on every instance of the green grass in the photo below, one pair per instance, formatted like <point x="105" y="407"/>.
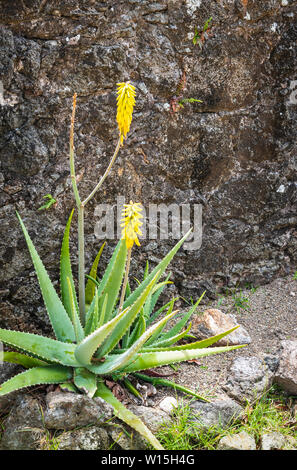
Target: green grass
<point x="295" y="276"/>
<point x="240" y="301"/>
<point x="269" y="414"/>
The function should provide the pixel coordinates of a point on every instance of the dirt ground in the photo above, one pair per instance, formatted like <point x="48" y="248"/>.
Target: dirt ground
<point x="269" y="315"/>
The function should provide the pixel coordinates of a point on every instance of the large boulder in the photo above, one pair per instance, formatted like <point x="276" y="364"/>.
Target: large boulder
<point x="233" y="153"/>
<point x="214" y="322"/>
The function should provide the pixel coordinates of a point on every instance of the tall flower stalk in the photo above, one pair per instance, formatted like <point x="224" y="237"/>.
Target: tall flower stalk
<point x="125" y="105"/>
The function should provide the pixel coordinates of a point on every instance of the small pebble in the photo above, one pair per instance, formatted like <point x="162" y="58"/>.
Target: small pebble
<point x="168" y="404"/>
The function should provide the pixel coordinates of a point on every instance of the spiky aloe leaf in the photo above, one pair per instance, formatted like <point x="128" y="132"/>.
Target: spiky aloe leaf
<point x="160" y="268"/>
<point x="66" y="272"/>
<point x="36" y="376"/>
<point x="90" y="286"/>
<point x="110" y="271"/>
<point x="168" y="383"/>
<point x="86" y="349"/>
<point x="150" y="360"/>
<point x="114" y="281"/>
<point x="78" y="329"/>
<point x="204" y="343"/>
<point x="149" y="306"/>
<point x="116" y="362"/>
<point x="85" y="381"/>
<point x="58" y="316"/>
<point x="45" y="348"/>
<point x="138" y="330"/>
<point x="69" y="387"/>
<point x="173" y="339"/>
<point x="123" y="325"/>
<point x="22" y="360"/>
<point x="126" y="415"/>
<point x="160" y="310"/>
<point x="178" y="327"/>
<point x="158" y="331"/>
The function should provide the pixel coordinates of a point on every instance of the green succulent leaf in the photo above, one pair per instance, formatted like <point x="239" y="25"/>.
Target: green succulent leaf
<point x="69" y="387"/>
<point x="160" y="268"/>
<point x="116" y="362"/>
<point x="45" y="348"/>
<point x="168" y="383"/>
<point x="177" y="328"/>
<point x="86" y="349"/>
<point x="90" y="286"/>
<point x="66" y="272"/>
<point x="85" y="381"/>
<point x="126" y="415"/>
<point x="114" y="281"/>
<point x="36" y="376"/>
<point x="158" y="331"/>
<point x="173" y="339"/>
<point x="138" y="330"/>
<point x="122" y="325"/>
<point x="22" y="360"/>
<point x="78" y="329"/>
<point x="58" y="316"/>
<point x="150" y="360"/>
<point x="204" y="343"/>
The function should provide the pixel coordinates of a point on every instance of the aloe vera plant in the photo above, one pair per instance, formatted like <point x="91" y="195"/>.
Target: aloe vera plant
<point x="114" y="346"/>
<point x="117" y="332"/>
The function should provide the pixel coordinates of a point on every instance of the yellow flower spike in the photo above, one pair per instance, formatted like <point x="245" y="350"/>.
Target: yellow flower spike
<point x="125" y="104"/>
<point x="131" y="223"/>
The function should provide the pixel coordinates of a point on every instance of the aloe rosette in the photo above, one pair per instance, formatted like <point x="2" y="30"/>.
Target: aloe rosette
<point x="112" y="343"/>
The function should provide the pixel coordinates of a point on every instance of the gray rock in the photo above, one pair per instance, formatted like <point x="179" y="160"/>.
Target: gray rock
<point x="286" y="375"/>
<point x="218" y="413"/>
<point x="126" y="439"/>
<point x="7" y="371"/>
<point x="240" y="441"/>
<point x="273" y="441"/>
<point x="69" y="411"/>
<point x="201" y="154"/>
<point x="213" y="322"/>
<point x="248" y="378"/>
<point x="272" y="362"/>
<point x="23" y="429"/>
<point x="153" y="418"/>
<point x="91" y="438"/>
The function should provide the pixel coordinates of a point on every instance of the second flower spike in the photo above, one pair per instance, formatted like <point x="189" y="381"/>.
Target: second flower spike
<point x="131" y="223"/>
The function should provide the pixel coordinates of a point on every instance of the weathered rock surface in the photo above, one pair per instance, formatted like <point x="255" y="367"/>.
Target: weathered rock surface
<point x="248" y="378"/>
<point x="90" y="438"/>
<point x="234" y="153"/>
<point x="153" y="418"/>
<point x="213" y="322"/>
<point x="69" y="411"/>
<point x="7" y="371"/>
<point x="23" y="428"/>
<point x="240" y="441"/>
<point x="286" y="375"/>
<point x="219" y="413"/>
<point x="276" y="441"/>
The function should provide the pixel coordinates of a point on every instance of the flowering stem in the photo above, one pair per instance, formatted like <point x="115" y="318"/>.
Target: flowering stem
<point x="105" y="174"/>
<point x="80" y="207"/>
<point x="71" y="154"/>
<point x="125" y="280"/>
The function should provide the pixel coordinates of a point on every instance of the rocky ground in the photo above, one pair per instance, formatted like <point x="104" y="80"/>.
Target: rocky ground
<point x="269" y="317"/>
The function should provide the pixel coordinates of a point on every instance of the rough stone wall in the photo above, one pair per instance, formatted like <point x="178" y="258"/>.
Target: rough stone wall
<point x="234" y="153"/>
